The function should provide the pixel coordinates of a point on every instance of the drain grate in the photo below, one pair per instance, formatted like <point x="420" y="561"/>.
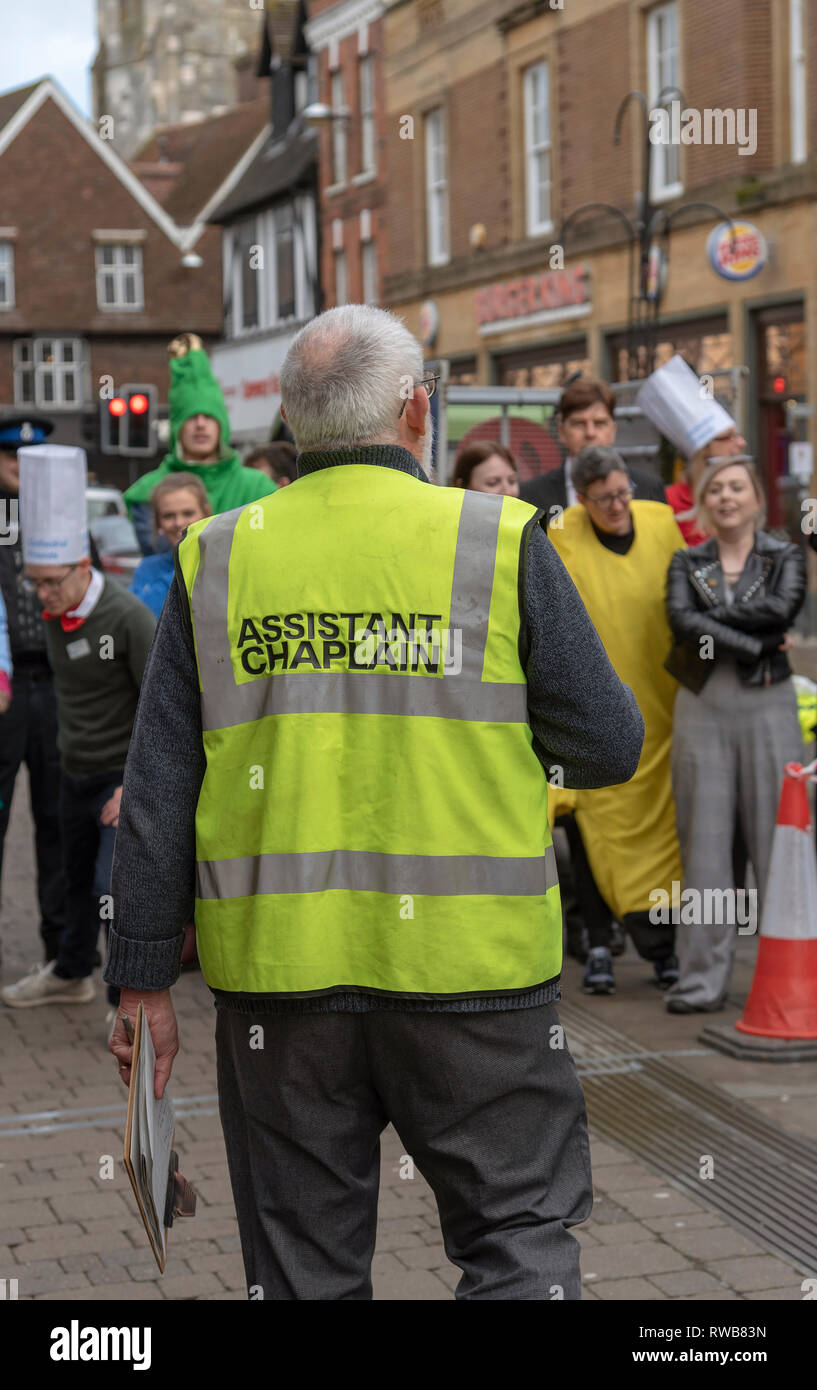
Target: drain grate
<point x="764" y="1180"/>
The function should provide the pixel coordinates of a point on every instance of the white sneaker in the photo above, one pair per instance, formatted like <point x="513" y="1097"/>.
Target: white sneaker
<point x="42" y="986"/>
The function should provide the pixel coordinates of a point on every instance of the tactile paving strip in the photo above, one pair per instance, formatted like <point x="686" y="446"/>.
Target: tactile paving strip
<point x="764" y="1180"/>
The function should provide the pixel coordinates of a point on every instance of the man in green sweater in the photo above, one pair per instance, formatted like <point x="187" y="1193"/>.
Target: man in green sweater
<point x="98" y="636"/>
<point x="199" y="442"/>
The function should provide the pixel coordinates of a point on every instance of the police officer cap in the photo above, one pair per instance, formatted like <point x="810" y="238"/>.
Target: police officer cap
<point x="18" y="430"/>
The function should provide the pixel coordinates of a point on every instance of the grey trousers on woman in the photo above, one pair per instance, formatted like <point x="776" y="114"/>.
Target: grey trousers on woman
<point x="488" y="1106"/>
<point x="730" y="744"/>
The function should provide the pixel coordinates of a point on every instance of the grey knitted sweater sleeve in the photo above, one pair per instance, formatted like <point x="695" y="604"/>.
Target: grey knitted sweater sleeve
<point x="584" y="720"/>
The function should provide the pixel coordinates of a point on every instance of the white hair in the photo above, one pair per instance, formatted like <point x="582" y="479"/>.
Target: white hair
<point x="345" y="377"/>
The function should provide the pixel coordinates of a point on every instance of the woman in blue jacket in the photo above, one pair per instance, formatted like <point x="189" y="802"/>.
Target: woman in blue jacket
<point x="177" y="501"/>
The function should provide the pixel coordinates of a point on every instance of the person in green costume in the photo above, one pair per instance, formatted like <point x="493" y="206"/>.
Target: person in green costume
<point x="199" y="443"/>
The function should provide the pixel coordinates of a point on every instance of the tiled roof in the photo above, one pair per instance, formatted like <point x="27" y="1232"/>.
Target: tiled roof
<point x="276" y="167"/>
<point x="207" y="150"/>
<point x="10" y="102"/>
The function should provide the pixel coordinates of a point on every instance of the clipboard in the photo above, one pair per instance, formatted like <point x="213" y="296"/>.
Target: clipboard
<point x="151" y="1162"/>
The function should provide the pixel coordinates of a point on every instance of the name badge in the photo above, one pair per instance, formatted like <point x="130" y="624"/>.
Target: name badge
<point x="80" y="647"/>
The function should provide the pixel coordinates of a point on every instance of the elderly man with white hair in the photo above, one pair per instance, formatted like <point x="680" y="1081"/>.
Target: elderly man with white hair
<point x="358" y="688"/>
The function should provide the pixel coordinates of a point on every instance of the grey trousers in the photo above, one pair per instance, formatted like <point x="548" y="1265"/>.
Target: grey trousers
<point x="487" y="1105"/>
<point x="730" y="744"/>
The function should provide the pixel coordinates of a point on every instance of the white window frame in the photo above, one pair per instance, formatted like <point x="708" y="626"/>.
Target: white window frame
<point x="436" y="188"/>
<point x="234" y="326"/>
<point x="368" y="155"/>
<point x="7" y="271"/>
<point x="339" y="150"/>
<point x="119" y="272"/>
<point x="666" y="159"/>
<point x="58" y="369"/>
<point x="797" y="81"/>
<point x="341" y="277"/>
<point x="537" y="84"/>
<point x="368" y="270"/>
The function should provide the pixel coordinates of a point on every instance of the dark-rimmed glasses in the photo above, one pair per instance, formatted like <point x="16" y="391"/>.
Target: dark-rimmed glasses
<point x="429" y="382"/>
<point x="608" y="500"/>
<point x="33" y="586"/>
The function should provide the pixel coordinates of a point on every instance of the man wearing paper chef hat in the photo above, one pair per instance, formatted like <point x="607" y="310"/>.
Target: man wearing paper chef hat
<point x="699" y="427"/>
<point x="98" y="636"/>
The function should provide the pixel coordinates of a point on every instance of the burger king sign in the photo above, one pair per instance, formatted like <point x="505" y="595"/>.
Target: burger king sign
<point x="737" y="251"/>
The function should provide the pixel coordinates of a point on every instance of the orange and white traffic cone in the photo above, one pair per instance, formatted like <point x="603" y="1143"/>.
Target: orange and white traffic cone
<point x="782" y="1002"/>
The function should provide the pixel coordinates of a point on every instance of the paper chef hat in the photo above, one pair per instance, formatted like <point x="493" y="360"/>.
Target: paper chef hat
<point x="673" y="400"/>
<point x="53" y="507"/>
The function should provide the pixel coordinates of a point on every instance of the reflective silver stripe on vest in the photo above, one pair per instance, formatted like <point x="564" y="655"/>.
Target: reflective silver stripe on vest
<point x="461" y="695"/>
<point x="365" y="872"/>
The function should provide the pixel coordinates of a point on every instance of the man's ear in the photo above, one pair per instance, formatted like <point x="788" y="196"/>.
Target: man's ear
<point x="283" y="412"/>
<point x="417" y="410"/>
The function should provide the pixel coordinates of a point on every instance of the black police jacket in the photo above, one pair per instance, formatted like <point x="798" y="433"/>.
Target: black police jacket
<point x="767" y="598"/>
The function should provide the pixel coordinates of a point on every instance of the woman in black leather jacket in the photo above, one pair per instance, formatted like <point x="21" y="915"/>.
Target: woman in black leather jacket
<point x="730" y="603"/>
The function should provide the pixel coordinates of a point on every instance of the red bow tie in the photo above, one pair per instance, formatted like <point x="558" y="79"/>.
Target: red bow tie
<point x="68" y="624"/>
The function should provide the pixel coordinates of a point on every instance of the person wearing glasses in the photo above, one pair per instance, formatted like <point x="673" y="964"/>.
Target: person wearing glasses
<point x="730" y="603"/>
<point x="616" y="550"/>
<point x="98" y="636"/>
<point x="384" y="902"/>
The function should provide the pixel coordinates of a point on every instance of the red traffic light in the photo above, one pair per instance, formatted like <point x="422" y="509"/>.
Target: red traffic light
<point x="117" y="406"/>
<point x="779" y="385"/>
<point x="139" y="404"/>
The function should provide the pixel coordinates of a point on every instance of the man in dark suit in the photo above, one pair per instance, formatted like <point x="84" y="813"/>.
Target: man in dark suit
<point x="585" y="417"/>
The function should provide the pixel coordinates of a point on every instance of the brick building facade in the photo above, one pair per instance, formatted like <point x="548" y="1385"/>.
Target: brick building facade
<point x="512" y="113"/>
<point x="347" y="40"/>
<point x="92" y="279"/>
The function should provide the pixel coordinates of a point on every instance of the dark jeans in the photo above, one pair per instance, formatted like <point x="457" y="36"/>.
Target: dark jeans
<point x="592" y="909"/>
<point x="88" y="849"/>
<point x="28" y="733"/>
<point x="488" y="1107"/>
<point x="653" y="942"/>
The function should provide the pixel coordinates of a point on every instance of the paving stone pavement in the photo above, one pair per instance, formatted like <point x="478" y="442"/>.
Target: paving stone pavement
<point x="66" y="1232"/>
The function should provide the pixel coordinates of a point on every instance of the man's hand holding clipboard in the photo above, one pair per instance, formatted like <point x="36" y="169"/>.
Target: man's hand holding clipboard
<point x="150" y="1161"/>
<point x="164" y="1031"/>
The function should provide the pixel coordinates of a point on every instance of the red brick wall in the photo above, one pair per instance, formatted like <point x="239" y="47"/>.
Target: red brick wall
<point x="726" y="63"/>
<point x="56" y="190"/>
<point x="811" y="76"/>
<point x="348" y="204"/>
<point x="478" y="159"/>
<point x="593" y="76"/>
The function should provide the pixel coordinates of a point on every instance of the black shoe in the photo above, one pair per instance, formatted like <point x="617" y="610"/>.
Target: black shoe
<point x="666" y="973"/>
<point x="680" y="1006"/>
<point x="598" y="977"/>
<point x="618" y="941"/>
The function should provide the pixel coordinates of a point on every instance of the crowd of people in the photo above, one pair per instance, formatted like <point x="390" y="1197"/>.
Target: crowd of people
<point x="624" y="704"/>
<point x="694" y="603"/>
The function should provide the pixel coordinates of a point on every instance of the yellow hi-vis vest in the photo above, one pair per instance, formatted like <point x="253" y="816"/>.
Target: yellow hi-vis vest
<point x="373" y="816"/>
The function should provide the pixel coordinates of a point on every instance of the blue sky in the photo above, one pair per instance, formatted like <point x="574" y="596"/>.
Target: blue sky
<point x="49" y="36"/>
